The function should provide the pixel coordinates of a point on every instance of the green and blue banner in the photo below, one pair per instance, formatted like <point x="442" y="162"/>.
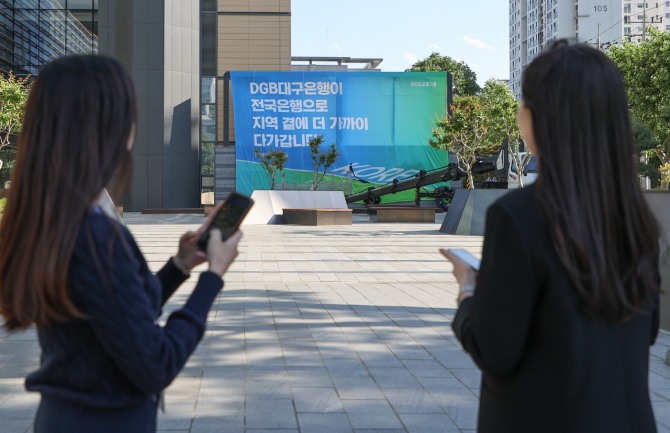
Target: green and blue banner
<point x="380" y="122"/>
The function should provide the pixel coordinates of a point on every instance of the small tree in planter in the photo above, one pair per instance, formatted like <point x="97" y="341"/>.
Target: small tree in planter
<point x="323" y="160"/>
<point x="273" y="162"/>
<point x="13" y="95"/>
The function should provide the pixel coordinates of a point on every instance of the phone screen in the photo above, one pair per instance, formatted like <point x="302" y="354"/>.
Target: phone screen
<point x="228" y="218"/>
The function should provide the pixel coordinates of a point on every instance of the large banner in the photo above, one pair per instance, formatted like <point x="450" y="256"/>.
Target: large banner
<point x="380" y="123"/>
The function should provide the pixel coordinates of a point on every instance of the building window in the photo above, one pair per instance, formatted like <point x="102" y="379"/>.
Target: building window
<point x="626" y="8"/>
<point x="37" y="32"/>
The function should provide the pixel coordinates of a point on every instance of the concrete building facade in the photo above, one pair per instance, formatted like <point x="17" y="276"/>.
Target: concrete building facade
<point x="159" y="43"/>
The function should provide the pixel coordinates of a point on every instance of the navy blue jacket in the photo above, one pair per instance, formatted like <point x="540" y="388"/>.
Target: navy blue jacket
<point x="119" y="356"/>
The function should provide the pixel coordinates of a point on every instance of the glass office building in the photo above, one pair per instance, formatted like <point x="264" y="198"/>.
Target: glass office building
<point x="34" y="32"/>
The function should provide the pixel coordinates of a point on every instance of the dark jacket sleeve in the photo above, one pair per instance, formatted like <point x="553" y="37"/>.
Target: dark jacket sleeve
<point x="120" y="298"/>
<point x="493" y="325"/>
<point x="171" y="278"/>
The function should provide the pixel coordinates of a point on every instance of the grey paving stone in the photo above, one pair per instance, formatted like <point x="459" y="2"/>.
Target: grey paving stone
<point x="324" y="423"/>
<point x="428" y="423"/>
<point x="340" y="329"/>
<point x="346" y="367"/>
<point x="15" y="425"/>
<point x="412" y="401"/>
<point x="357" y="388"/>
<point x="371" y="414"/>
<point x="178" y="415"/>
<point x="316" y="400"/>
<point x="270" y="414"/>
<point x="309" y="376"/>
<point x="394" y="378"/>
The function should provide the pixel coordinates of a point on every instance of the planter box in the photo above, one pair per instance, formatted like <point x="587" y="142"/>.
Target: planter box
<point x="407" y="214"/>
<point x="269" y="205"/>
<point x="317" y="217"/>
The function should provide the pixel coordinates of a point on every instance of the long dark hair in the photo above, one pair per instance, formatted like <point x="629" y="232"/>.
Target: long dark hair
<point x="602" y="228"/>
<point x="79" y="119"/>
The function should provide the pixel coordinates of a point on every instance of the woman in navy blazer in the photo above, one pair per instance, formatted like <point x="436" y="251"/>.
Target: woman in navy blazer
<point x="70" y="267"/>
<point x="563" y="310"/>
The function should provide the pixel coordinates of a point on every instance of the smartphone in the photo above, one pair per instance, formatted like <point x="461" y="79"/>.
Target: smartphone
<point x="228" y="218"/>
<point x="467" y="257"/>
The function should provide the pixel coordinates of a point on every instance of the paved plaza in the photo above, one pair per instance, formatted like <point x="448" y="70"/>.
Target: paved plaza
<point x="330" y="329"/>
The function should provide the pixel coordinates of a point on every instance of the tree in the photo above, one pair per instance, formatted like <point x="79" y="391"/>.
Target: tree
<point x="663" y="150"/>
<point x="645" y="144"/>
<point x="464" y="78"/>
<point x="500" y="108"/>
<point x="645" y="68"/>
<point x="478" y="126"/>
<point x="13" y="95"/>
<point x="322" y="160"/>
<point x="273" y="162"/>
<point x="467" y="133"/>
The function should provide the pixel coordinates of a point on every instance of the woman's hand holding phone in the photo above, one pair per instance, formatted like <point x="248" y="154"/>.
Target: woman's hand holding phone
<point x="464" y="272"/>
<point x="189" y="255"/>
<point x="220" y="253"/>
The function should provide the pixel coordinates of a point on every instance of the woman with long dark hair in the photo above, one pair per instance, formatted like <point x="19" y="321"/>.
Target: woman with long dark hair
<point x="72" y="269"/>
<point x="563" y="310"/>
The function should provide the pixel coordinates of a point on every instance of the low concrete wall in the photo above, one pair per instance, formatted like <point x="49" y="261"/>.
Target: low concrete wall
<point x="317" y="217"/>
<point x="397" y="214"/>
<point x="467" y="211"/>
<point x="269" y="205"/>
<point x="659" y="201"/>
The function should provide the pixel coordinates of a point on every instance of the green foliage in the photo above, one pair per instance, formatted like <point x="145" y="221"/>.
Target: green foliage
<point x="500" y="108"/>
<point x="645" y="143"/>
<point x="464" y="78"/>
<point x="13" y="95"/>
<point x="3" y="203"/>
<point x="664" y="170"/>
<point x="645" y="68"/>
<point x="273" y="162"/>
<point x="477" y="126"/>
<point x="207" y="159"/>
<point x="8" y="154"/>
<point x="322" y="160"/>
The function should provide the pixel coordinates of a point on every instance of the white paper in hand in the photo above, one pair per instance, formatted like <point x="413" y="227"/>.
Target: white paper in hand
<point x="467" y="257"/>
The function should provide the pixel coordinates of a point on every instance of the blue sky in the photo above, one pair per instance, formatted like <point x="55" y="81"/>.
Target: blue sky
<point x="402" y="32"/>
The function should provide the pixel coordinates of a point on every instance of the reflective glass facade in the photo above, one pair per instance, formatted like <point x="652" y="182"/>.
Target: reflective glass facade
<point x="34" y="32"/>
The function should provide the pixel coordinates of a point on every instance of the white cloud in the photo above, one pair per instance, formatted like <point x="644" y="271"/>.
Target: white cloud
<point x="476" y="43"/>
<point x="411" y="58"/>
<point x="434" y="48"/>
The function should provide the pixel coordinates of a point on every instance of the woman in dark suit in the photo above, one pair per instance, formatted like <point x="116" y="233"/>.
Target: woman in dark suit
<point x="563" y="310"/>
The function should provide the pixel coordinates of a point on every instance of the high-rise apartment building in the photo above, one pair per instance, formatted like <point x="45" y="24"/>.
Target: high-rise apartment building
<point x="534" y="24"/>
